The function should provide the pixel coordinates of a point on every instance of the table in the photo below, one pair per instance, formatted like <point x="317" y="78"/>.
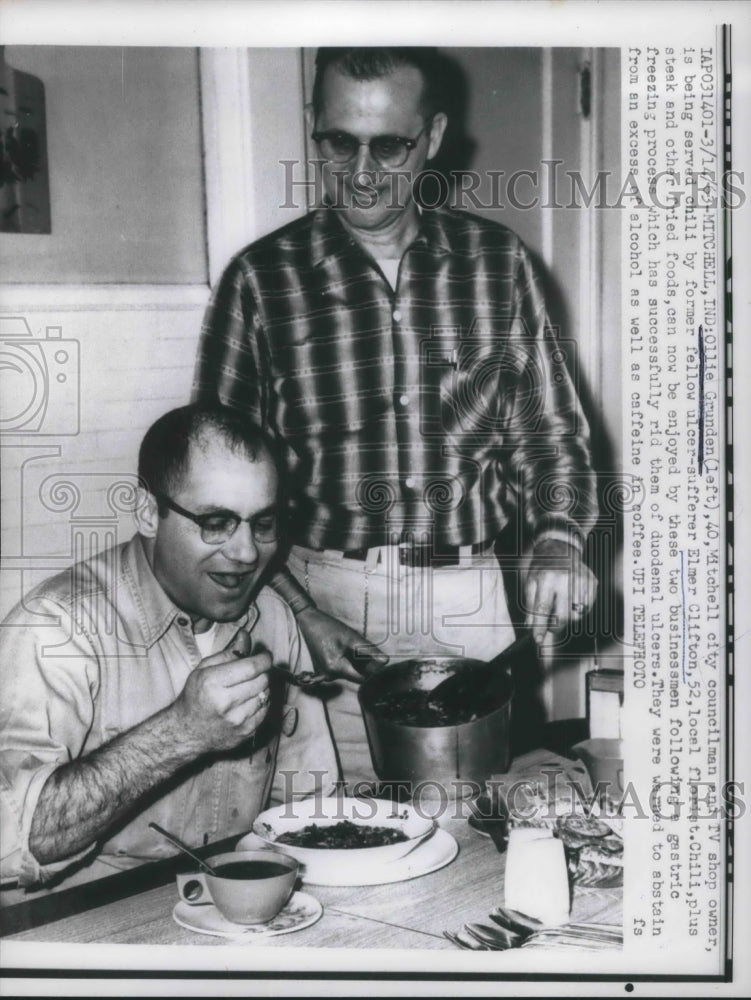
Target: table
<point x="404" y="915"/>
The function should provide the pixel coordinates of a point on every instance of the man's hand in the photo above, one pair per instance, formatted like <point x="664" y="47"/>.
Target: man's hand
<point x="225" y="698"/>
<point x="336" y="648"/>
<point x="217" y="709"/>
<point x="559" y="587"/>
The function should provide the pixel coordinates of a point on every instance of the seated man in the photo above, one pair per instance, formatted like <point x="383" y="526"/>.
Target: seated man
<point x="135" y="684"/>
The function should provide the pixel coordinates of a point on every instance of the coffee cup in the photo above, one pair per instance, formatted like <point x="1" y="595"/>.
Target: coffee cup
<point x="247" y="887"/>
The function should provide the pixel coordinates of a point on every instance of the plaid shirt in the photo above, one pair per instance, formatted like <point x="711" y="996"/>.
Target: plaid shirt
<point x="438" y="411"/>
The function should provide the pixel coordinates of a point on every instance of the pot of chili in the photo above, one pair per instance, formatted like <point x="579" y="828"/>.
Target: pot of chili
<point x="448" y="749"/>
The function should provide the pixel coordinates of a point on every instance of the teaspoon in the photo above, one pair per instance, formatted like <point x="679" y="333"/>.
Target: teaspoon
<point x="181" y="846"/>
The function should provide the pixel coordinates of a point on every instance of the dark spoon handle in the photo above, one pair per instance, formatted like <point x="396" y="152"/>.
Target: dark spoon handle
<point x="183" y="847"/>
<point x="507" y="656"/>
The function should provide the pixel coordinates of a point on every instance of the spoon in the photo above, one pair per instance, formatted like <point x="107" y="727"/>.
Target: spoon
<point x="494" y="937"/>
<point x="473" y="688"/>
<point x="494" y="823"/>
<point x="307" y="678"/>
<point x="462" y="940"/>
<point x="186" y="850"/>
<point x="516" y="922"/>
<point x="304" y="679"/>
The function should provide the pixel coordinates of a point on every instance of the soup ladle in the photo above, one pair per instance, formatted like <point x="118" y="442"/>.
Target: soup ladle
<point x="473" y="689"/>
<point x="185" y="849"/>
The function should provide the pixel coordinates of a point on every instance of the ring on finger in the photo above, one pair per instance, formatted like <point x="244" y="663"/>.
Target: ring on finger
<point x="263" y="698"/>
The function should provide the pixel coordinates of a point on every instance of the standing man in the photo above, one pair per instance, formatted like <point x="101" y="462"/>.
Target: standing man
<point x="405" y="360"/>
<point x="135" y="685"/>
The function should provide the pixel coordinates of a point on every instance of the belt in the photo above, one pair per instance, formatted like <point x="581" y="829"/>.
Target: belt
<point x="415" y="556"/>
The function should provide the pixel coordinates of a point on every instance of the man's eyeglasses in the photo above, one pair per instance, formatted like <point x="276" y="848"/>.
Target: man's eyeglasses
<point x="219" y="526"/>
<point x="387" y="150"/>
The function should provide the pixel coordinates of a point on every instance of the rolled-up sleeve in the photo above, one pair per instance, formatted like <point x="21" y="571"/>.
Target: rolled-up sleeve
<point x="49" y="678"/>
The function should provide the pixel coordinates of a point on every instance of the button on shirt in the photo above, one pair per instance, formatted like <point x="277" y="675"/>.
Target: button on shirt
<point x="94" y="651"/>
<point x="444" y="403"/>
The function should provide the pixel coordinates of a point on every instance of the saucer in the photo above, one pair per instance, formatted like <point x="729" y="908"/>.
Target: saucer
<point x="302" y="910"/>
<point x="436" y="852"/>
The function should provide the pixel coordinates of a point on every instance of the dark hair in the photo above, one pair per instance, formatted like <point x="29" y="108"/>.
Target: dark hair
<point x="372" y="64"/>
<point x="165" y="450"/>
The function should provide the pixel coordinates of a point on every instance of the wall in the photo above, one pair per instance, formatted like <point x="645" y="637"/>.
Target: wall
<point x="117" y="291"/>
<point x="58" y="488"/>
<point x="120" y="286"/>
<point x="499" y="97"/>
<point x="124" y="150"/>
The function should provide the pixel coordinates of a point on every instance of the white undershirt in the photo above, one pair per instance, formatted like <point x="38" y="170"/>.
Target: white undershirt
<point x="205" y="641"/>
<point x="390" y="267"/>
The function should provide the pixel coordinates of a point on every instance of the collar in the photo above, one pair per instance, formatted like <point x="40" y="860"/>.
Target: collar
<point x="152" y="610"/>
<point x="434" y="231"/>
<point x="329" y="238"/>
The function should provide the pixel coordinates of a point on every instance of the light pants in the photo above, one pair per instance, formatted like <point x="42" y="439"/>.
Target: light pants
<point x="454" y="611"/>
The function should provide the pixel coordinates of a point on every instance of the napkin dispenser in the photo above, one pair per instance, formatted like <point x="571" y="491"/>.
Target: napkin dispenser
<point x="604" y="703"/>
<point x="603" y="759"/>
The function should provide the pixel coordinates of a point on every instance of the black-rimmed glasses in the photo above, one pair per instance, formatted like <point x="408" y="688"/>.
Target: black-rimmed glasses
<point x="219" y="526"/>
<point x="387" y="150"/>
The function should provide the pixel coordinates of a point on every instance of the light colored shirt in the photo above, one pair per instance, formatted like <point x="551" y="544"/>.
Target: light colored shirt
<point x="93" y="652"/>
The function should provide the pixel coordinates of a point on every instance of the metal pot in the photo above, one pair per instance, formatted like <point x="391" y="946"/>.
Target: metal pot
<point x="448" y="761"/>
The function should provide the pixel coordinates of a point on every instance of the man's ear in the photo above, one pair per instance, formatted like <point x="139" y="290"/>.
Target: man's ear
<point x="437" y="129"/>
<point x="146" y="513"/>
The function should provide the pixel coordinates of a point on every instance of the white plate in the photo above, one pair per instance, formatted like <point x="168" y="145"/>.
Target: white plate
<point x="302" y="910"/>
<point x="329" y="811"/>
<point x="436" y="852"/>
